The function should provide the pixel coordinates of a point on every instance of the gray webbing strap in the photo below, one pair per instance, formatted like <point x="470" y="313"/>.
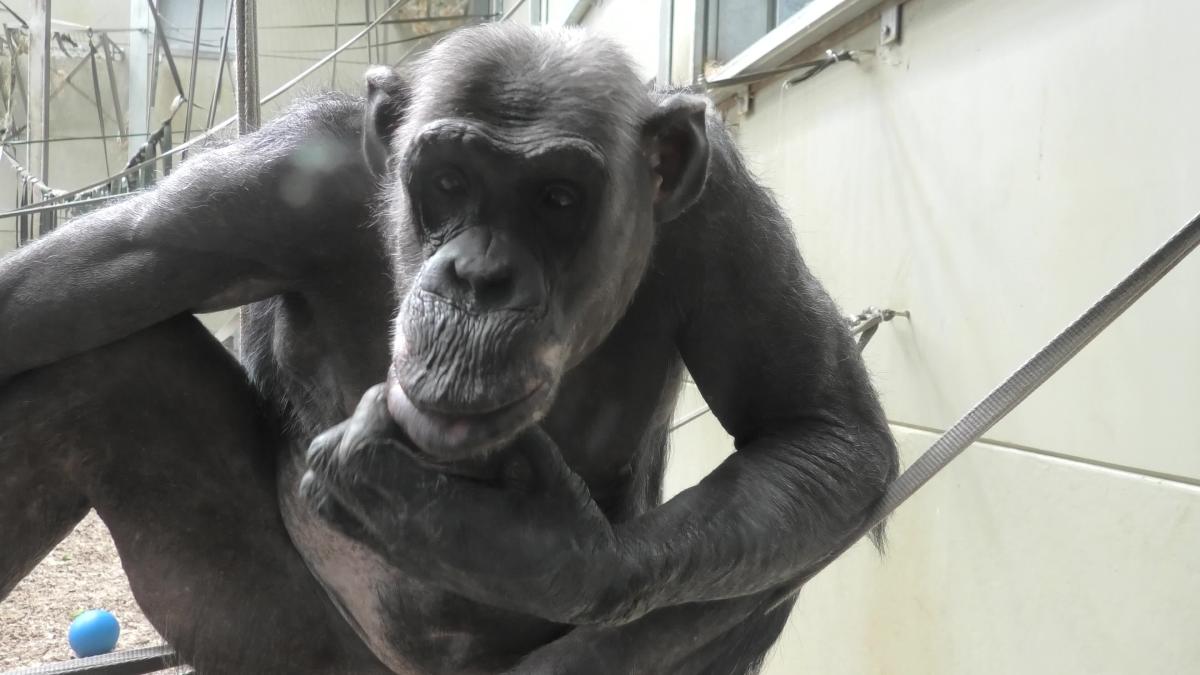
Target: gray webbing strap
<point x="1021" y="384"/>
<point x="1039" y="368"/>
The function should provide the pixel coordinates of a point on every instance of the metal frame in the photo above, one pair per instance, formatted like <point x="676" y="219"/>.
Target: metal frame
<point x="129" y="662"/>
<point x="248" y="106"/>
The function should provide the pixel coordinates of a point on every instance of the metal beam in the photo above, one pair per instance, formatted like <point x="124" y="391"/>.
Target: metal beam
<point x="106" y="43"/>
<point x="141" y="44"/>
<point x="191" y="92"/>
<point x="132" y="662"/>
<point x="367" y="18"/>
<point x="337" y="15"/>
<point x="162" y="40"/>
<point x="221" y="66"/>
<point x="99" y="101"/>
<point x="38" y="107"/>
<point x="249" y="110"/>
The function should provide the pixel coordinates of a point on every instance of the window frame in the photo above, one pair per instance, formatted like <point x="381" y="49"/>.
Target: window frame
<point x="801" y="30"/>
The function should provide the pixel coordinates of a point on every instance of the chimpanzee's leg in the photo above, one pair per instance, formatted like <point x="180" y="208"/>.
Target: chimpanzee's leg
<point x="164" y="437"/>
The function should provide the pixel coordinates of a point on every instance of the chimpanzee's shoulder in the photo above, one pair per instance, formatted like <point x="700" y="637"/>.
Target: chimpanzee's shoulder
<point x="323" y="113"/>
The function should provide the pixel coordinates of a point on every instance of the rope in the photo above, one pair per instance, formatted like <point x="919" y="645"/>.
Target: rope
<point x="25" y="176"/>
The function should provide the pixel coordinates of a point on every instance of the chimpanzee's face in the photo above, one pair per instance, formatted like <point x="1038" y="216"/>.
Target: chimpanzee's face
<point x="523" y="200"/>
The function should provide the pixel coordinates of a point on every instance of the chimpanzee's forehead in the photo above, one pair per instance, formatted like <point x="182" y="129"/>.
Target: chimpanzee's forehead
<point x="548" y="83"/>
<point x="535" y="110"/>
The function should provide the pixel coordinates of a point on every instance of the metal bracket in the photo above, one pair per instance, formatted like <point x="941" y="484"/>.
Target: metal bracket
<point x="889" y="25"/>
<point x="745" y="100"/>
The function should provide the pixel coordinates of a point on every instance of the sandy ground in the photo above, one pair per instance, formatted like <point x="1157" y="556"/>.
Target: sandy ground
<point x="81" y="573"/>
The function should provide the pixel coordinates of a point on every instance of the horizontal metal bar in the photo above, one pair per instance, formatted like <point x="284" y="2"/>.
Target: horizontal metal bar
<point x="129" y="662"/>
<point x="829" y="59"/>
<point x="61" y="205"/>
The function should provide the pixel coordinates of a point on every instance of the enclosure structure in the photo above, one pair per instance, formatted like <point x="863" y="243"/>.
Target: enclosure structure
<point x="989" y="166"/>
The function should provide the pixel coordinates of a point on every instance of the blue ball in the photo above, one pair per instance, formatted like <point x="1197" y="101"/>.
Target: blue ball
<point x="93" y="632"/>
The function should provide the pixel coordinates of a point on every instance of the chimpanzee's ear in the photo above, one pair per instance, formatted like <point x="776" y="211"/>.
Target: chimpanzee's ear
<point x="676" y="144"/>
<point x="388" y="94"/>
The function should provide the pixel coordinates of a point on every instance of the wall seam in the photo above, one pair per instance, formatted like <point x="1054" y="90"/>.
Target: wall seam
<point x="1091" y="463"/>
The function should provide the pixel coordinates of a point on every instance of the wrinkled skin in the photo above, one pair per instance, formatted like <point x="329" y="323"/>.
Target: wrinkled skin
<point x="470" y="300"/>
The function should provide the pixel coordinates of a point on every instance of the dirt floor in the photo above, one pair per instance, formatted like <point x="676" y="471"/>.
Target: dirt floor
<point x="82" y="573"/>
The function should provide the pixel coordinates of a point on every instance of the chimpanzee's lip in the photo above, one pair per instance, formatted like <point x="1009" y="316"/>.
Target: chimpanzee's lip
<point x="478" y="409"/>
<point x="460" y="434"/>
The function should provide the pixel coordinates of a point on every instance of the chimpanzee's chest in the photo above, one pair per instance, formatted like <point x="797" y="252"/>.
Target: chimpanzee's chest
<point x="611" y="416"/>
<point x="413" y="628"/>
<point x="416" y="628"/>
<point x="609" y="421"/>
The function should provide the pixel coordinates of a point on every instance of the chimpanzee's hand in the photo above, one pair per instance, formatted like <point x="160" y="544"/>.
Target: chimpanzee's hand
<point x="533" y="541"/>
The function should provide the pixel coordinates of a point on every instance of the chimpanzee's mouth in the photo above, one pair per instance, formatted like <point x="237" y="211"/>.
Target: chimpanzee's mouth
<point x="450" y="435"/>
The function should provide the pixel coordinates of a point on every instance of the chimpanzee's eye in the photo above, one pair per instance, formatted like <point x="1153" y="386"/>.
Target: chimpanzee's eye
<point x="559" y="196"/>
<point x="450" y="181"/>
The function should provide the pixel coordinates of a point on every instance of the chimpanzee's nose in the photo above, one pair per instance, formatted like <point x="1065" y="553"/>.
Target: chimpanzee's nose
<point x="484" y="270"/>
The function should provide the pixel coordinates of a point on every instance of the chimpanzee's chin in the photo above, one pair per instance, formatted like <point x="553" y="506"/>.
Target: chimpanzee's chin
<point x="446" y="436"/>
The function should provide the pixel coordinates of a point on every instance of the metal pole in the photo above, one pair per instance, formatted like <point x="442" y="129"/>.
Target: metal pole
<point x="6" y="92"/>
<point x="141" y="47"/>
<point x="221" y="66"/>
<point x="249" y="111"/>
<point x="367" y="18"/>
<point x="187" y="118"/>
<point x="112" y="83"/>
<point x="99" y="101"/>
<point x="66" y="80"/>
<point x="337" y="15"/>
<point x="40" y="38"/>
<point x="15" y="15"/>
<point x="162" y="40"/>
<point x="508" y="14"/>
<point x="16" y="72"/>
<point x="23" y="220"/>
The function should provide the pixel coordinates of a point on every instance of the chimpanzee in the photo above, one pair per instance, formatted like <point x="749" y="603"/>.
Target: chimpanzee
<point x="529" y="247"/>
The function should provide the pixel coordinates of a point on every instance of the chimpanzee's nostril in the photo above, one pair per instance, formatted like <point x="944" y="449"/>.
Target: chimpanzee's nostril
<point x="488" y="282"/>
<point x="484" y="271"/>
<point x="494" y="291"/>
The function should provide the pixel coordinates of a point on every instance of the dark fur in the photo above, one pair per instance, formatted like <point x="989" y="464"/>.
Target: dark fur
<point x="536" y="544"/>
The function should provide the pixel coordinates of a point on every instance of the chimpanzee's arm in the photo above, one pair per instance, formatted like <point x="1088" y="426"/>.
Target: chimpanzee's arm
<point x="230" y="226"/>
<point x="772" y="356"/>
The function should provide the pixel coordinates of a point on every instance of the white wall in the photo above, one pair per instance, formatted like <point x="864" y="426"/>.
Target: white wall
<point x="995" y="174"/>
<point x="632" y="23"/>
